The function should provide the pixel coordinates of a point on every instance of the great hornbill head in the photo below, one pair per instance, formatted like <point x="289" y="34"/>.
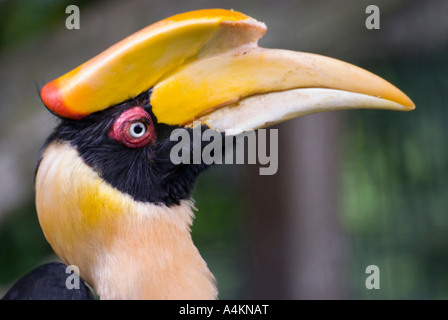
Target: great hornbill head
<point x="118" y="110"/>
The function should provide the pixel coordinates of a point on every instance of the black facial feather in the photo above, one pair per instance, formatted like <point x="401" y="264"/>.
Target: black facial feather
<point x="145" y="173"/>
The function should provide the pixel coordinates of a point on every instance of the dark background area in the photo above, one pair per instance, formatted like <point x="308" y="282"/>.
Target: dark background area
<point x="353" y="189"/>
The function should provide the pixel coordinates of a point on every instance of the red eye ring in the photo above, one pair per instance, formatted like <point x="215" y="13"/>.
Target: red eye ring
<point x="133" y="128"/>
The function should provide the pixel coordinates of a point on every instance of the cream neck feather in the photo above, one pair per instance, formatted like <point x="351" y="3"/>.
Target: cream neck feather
<point x="123" y="248"/>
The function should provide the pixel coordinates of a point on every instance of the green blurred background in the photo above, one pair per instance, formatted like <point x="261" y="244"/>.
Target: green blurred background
<point x="353" y="189"/>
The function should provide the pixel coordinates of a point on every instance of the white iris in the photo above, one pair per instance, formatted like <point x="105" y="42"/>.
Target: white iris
<point x="137" y="129"/>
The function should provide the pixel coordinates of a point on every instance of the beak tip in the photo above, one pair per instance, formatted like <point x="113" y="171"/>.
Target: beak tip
<point x="409" y="105"/>
<point x="401" y="99"/>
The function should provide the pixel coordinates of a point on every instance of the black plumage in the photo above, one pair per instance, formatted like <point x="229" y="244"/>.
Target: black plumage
<point x="47" y="282"/>
<point x="145" y="173"/>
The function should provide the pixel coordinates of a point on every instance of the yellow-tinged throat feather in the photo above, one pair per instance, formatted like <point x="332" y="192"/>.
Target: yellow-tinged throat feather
<point x="124" y="249"/>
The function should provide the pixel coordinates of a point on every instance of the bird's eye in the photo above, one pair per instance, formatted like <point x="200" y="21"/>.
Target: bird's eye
<point x="137" y="129"/>
<point x="133" y="128"/>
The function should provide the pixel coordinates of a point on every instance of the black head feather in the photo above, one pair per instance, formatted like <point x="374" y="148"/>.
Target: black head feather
<point x="145" y="173"/>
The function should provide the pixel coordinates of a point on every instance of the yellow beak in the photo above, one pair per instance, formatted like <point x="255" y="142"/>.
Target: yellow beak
<point x="207" y="65"/>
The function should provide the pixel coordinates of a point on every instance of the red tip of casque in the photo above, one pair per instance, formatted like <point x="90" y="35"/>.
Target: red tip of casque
<point x="51" y="97"/>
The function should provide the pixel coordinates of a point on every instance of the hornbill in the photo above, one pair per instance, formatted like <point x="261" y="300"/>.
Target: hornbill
<point x="109" y="200"/>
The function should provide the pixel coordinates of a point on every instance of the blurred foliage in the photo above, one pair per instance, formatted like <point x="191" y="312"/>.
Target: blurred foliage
<point x="22" y="20"/>
<point x="218" y="231"/>
<point x="18" y="234"/>
<point x="395" y="179"/>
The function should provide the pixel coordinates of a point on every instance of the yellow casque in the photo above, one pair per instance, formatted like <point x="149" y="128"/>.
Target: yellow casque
<point x="200" y="61"/>
<point x="136" y="63"/>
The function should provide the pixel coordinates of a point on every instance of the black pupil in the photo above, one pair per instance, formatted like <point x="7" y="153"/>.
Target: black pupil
<point x="138" y="129"/>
